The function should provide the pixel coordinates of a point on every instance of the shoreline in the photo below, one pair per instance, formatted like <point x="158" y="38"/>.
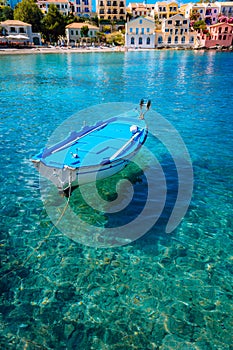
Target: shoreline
<point x="65" y="50"/>
<point x="45" y="50"/>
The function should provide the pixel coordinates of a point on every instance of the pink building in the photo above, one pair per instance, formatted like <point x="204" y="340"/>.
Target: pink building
<point x="219" y="34"/>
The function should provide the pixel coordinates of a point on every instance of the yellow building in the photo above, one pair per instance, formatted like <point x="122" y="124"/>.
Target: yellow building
<point x="165" y="9"/>
<point x="175" y="32"/>
<point x="112" y="10"/>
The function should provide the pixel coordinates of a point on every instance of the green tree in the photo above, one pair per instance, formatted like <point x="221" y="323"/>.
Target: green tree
<point x="95" y="20"/>
<point x="84" y="31"/>
<point x="70" y="18"/>
<point x="199" y="25"/>
<point x="27" y="11"/>
<point x="53" y="24"/>
<point x="6" y="12"/>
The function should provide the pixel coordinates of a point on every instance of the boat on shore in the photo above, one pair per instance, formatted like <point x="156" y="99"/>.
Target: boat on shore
<point x="95" y="152"/>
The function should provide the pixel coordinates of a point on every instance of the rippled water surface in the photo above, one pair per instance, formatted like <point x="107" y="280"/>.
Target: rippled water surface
<point x="163" y="291"/>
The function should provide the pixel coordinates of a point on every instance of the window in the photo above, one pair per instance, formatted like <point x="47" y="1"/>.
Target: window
<point x="166" y="30"/>
<point x="169" y="40"/>
<point x="191" y="39"/>
<point x="108" y="3"/>
<point x="21" y="30"/>
<point x="76" y="32"/>
<point x="171" y="30"/>
<point x="220" y="37"/>
<point x="12" y="29"/>
<point x="136" y="30"/>
<point x="176" y="39"/>
<point x="148" y="30"/>
<point x="183" y="39"/>
<point x="181" y="31"/>
<point x="148" y="41"/>
<point x="131" y="30"/>
<point x="215" y="11"/>
<point x="160" y="40"/>
<point x="140" y="41"/>
<point x="185" y="21"/>
<point x="72" y="32"/>
<point x="132" y="41"/>
<point x="91" y="33"/>
<point x="140" y="21"/>
<point x="169" y="22"/>
<point x="142" y="31"/>
<point x="224" y="37"/>
<point x="201" y="11"/>
<point x="86" y="2"/>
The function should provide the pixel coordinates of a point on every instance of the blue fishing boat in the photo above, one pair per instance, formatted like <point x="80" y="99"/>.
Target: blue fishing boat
<point x="95" y="152"/>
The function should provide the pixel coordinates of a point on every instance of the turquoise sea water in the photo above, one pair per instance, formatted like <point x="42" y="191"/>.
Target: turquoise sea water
<point x="163" y="291"/>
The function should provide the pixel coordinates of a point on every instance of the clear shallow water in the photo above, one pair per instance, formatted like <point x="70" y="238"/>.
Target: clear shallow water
<point x="162" y="291"/>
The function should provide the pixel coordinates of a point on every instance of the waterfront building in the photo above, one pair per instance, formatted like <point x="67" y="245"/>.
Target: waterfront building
<point x="111" y="10"/>
<point x="175" y="32"/>
<point x="82" y="8"/>
<point x="165" y="9"/>
<point x="74" y="34"/>
<point x="64" y="6"/>
<point x="226" y="8"/>
<point x="19" y="32"/>
<point x="220" y="34"/>
<point x="208" y="12"/>
<point x="137" y="9"/>
<point x="140" y="33"/>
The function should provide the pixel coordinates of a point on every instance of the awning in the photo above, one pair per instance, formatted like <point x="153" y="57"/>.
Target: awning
<point x="18" y="37"/>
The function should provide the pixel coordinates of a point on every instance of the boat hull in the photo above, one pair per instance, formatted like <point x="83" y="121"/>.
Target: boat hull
<point x="93" y="153"/>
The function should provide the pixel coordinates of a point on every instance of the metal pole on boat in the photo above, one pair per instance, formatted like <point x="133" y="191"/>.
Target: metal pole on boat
<point x="144" y="107"/>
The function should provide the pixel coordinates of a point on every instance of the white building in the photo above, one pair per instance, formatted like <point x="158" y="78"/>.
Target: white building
<point x="19" y="32"/>
<point x="74" y="33"/>
<point x="141" y="9"/>
<point x="140" y="33"/>
<point x="64" y="6"/>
